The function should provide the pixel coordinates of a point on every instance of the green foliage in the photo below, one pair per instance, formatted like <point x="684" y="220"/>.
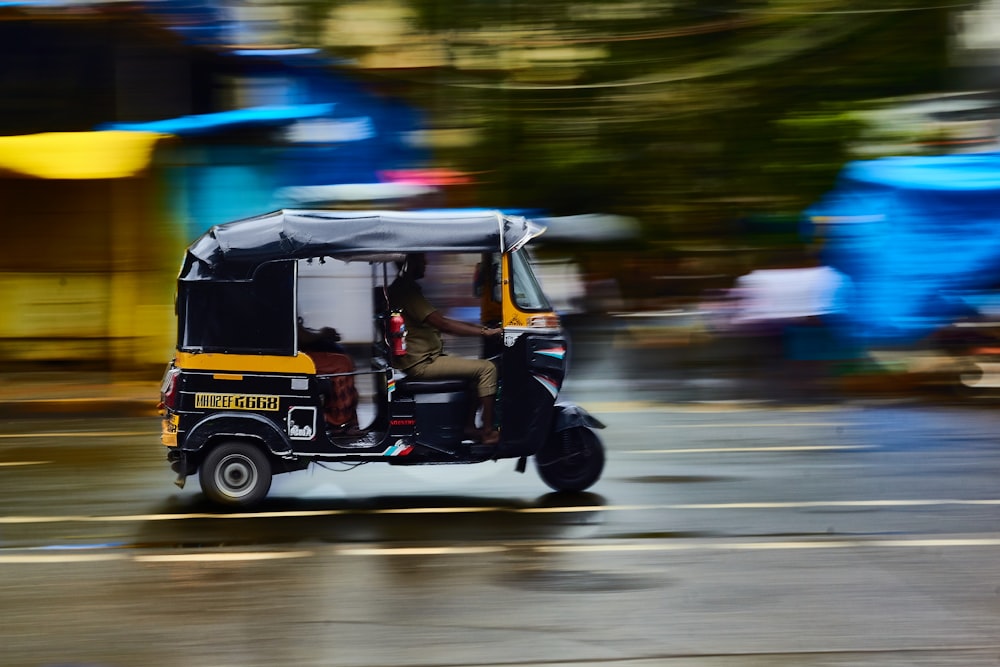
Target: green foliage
<point x="686" y="115"/>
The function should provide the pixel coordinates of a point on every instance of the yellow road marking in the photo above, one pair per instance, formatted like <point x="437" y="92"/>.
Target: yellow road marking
<point x="81" y="434"/>
<point x="809" y="504"/>
<point x="58" y="558"/>
<point x="10" y="464"/>
<point x="230" y="556"/>
<point x="69" y="557"/>
<point x="553" y="547"/>
<point x="589" y="508"/>
<point x="419" y="551"/>
<point x="435" y="510"/>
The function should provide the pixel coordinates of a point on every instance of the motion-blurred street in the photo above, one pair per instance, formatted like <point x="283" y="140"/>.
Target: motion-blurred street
<point x="771" y="239"/>
<point x="851" y="533"/>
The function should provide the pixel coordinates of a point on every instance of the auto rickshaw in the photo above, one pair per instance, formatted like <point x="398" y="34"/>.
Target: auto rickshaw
<point x="244" y="397"/>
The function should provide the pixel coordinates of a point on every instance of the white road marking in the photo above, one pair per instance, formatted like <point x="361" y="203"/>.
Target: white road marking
<point x="597" y="407"/>
<point x="729" y="450"/>
<point x="772" y="546"/>
<point x="833" y="503"/>
<point x="752" y="425"/>
<point x="11" y="464"/>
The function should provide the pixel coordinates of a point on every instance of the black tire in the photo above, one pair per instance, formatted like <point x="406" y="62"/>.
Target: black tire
<point x="235" y="473"/>
<point x="572" y="460"/>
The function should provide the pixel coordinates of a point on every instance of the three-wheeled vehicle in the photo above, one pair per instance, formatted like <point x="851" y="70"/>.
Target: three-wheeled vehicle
<point x="243" y="398"/>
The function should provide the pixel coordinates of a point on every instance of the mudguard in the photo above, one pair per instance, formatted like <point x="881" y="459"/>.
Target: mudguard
<point x="237" y="425"/>
<point x="570" y="415"/>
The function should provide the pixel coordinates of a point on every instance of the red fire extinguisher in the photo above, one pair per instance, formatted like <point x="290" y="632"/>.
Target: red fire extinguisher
<point x="397" y="334"/>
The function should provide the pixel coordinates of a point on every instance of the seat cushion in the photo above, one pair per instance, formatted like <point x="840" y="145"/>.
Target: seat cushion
<point x="408" y="386"/>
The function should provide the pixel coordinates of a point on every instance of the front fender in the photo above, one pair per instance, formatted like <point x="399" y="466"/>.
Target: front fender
<point x="240" y="426"/>
<point x="570" y="415"/>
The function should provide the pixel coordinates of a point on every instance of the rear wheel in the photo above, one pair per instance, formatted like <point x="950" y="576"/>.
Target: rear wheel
<point x="235" y="473"/>
<point x="572" y="460"/>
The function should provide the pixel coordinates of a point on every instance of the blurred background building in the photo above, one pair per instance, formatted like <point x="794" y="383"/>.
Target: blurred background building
<point x="129" y="128"/>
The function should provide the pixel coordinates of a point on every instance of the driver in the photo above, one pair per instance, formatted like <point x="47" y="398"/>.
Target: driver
<point x="425" y="358"/>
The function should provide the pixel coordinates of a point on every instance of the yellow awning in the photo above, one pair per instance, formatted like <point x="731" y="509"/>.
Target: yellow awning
<point x="78" y="155"/>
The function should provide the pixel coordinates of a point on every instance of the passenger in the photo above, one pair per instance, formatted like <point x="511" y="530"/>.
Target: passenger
<point x="425" y="358"/>
<point x="336" y="368"/>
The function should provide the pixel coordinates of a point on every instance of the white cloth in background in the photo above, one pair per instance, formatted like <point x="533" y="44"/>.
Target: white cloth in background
<point x="780" y="294"/>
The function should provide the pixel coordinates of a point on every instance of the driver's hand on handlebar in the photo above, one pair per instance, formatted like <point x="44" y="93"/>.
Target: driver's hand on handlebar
<point x="491" y="331"/>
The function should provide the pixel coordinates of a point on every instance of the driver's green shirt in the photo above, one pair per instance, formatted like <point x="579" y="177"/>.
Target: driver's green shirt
<point x="423" y="342"/>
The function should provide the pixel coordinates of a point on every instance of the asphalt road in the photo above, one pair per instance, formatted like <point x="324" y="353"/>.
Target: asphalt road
<point x="718" y="536"/>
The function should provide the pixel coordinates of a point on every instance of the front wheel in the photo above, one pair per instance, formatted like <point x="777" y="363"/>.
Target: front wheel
<point x="235" y="473"/>
<point x="571" y="460"/>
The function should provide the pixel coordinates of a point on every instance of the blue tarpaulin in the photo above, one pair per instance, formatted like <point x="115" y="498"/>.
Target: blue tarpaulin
<point x="213" y="122"/>
<point x="918" y="236"/>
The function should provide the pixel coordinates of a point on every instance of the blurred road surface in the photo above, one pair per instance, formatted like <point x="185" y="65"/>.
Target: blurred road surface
<point x="721" y="535"/>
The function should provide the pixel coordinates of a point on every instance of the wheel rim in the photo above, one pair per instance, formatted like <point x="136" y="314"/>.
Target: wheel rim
<point x="236" y="476"/>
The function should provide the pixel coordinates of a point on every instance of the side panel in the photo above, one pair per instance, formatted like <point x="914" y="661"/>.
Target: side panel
<point x="225" y="424"/>
<point x="532" y="374"/>
<point x="284" y="411"/>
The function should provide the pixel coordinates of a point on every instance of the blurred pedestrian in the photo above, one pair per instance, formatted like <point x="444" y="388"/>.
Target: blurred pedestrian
<point x="796" y="311"/>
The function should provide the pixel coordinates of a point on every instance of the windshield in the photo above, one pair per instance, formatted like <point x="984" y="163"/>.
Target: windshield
<point x="528" y="295"/>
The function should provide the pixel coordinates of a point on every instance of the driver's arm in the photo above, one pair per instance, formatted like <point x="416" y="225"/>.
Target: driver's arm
<point x="457" y="327"/>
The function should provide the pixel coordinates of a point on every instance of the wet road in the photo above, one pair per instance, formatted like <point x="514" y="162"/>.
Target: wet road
<point x="848" y="535"/>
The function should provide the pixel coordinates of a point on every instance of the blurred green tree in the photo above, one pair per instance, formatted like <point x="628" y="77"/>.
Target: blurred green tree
<point x="689" y="115"/>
